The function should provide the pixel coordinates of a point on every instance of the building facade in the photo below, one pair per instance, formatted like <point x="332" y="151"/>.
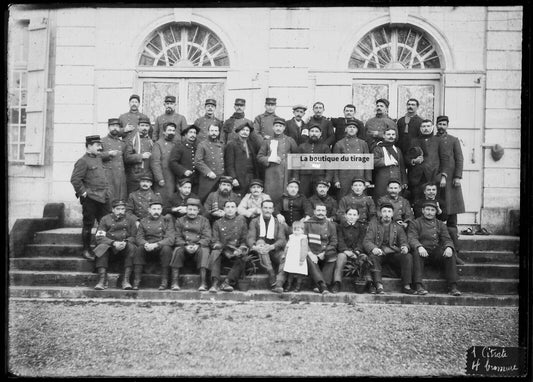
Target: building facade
<point x="70" y="69"/>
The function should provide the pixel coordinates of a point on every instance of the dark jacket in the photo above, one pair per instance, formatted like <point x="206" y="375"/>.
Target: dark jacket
<point x="322" y="236"/>
<point x="238" y="165"/>
<point x="230" y="232"/>
<point x="340" y="128"/>
<point x="139" y="203"/>
<point x="193" y="231"/>
<point x="454" y="168"/>
<point x="254" y="231"/>
<point x="375" y="235"/>
<point x="89" y="176"/>
<point x="350" y="236"/>
<point x="292" y="208"/>
<point x="111" y="228"/>
<point x="435" y="160"/>
<point x="328" y="201"/>
<point x="295" y="132"/>
<point x="328" y="134"/>
<point x="160" y="231"/>
<point x="405" y="137"/>
<point x="364" y="204"/>
<point x="402" y="208"/>
<point x="428" y="234"/>
<point x="114" y="166"/>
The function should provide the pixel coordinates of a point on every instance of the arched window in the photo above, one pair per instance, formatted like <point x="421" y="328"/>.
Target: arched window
<point x="395" y="47"/>
<point x="184" y="45"/>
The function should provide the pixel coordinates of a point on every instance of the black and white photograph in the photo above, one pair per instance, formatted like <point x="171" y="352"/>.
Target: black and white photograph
<point x="267" y="190"/>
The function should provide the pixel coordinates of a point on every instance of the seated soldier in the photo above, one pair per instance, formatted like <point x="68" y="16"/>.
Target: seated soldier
<point x="229" y="238"/>
<point x="155" y="237"/>
<point x="214" y="204"/>
<point x="250" y="205"/>
<point x="430" y="241"/>
<point x="115" y="237"/>
<point x="321" y="196"/>
<point x="193" y="237"/>
<point x="292" y="206"/>
<point x="350" y="234"/>
<point x="293" y="264"/>
<point x="177" y="204"/>
<point x="403" y="213"/>
<point x="386" y="241"/>
<point x="266" y="238"/>
<point x="139" y="200"/>
<point x="357" y="199"/>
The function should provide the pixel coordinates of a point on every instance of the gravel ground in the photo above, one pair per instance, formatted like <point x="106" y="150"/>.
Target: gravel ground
<point x="192" y="338"/>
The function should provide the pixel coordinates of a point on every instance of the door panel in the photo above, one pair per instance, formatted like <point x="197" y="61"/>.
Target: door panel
<point x="425" y="94"/>
<point x="365" y="96"/>
<point x="153" y="97"/>
<point x="198" y="92"/>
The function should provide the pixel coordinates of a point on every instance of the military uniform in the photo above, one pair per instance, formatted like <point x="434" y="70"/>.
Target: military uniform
<point x="203" y="124"/>
<point x="215" y="202"/>
<point x="322" y="236"/>
<point x="379" y="124"/>
<point x="402" y="208"/>
<point x="114" y="167"/>
<point x="309" y="178"/>
<point x="161" y="122"/>
<point x="384" y="170"/>
<point x="136" y="166"/>
<point x="328" y="134"/>
<point x="350" y="145"/>
<point x="177" y="200"/>
<point x="365" y="205"/>
<point x="234" y="123"/>
<point x="192" y="231"/>
<point x="139" y="202"/>
<point x="209" y="157"/>
<point x="340" y="127"/>
<point x="263" y="124"/>
<point x="328" y="201"/>
<point x="159" y="164"/>
<point x="131" y="118"/>
<point x="182" y="158"/>
<point x="292" y="208"/>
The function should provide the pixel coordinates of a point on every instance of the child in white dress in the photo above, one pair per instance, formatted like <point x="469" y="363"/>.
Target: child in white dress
<point x="295" y="266"/>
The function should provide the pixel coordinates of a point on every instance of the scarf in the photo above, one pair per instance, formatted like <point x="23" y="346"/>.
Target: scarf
<point x="390" y="154"/>
<point x="265" y="232"/>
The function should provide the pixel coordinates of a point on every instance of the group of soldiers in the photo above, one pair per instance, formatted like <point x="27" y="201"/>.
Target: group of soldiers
<point x="216" y="190"/>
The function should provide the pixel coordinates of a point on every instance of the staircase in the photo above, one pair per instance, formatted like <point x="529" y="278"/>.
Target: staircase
<point x="51" y="266"/>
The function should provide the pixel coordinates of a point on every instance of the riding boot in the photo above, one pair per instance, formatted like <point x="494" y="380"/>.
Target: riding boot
<point x="126" y="282"/>
<point x="175" y="275"/>
<point x="137" y="274"/>
<point x="86" y="240"/>
<point x="164" y="278"/>
<point x="101" y="279"/>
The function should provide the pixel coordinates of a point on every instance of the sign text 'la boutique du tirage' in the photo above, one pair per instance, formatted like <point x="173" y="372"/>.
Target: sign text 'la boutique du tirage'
<point x="330" y="161"/>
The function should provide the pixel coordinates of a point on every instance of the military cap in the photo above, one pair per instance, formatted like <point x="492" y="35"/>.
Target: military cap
<point x="324" y="182"/>
<point x="144" y="120"/>
<point x="314" y="126"/>
<point x="146" y="177"/>
<point x="156" y="200"/>
<point x="170" y="124"/>
<point x="386" y="205"/>
<point x="279" y="120"/>
<point x="351" y="122"/>
<point x="271" y="101"/>
<point x="117" y="203"/>
<point x="258" y="182"/>
<point x="183" y="181"/>
<point x="170" y="98"/>
<point x="394" y="181"/>
<point x="210" y="101"/>
<point x="358" y="180"/>
<point x="135" y="96"/>
<point x="113" y="121"/>
<point x="293" y="180"/>
<point x="184" y="131"/>
<point x="240" y="101"/>
<point x="429" y="203"/>
<point x="240" y="127"/>
<point x="383" y="100"/>
<point x="193" y="202"/>
<point x="442" y="118"/>
<point x="299" y="106"/>
<point x="226" y="179"/>
<point x="90" y="139"/>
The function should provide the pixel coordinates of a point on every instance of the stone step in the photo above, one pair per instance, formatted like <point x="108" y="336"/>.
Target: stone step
<point x="190" y="281"/>
<point x="487" y="256"/>
<point x="149" y="297"/>
<point x="67" y="235"/>
<point x="78" y="264"/>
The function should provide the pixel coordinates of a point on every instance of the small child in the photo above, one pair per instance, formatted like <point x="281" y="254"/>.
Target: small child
<point x="295" y="266"/>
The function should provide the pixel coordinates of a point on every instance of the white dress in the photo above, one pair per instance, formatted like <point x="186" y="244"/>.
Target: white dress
<point x="295" y="246"/>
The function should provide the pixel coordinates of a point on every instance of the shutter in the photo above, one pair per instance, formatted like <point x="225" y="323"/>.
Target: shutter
<point x="38" y="32"/>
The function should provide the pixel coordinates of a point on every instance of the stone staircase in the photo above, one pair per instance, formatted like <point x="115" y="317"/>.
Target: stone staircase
<point x="51" y="266"/>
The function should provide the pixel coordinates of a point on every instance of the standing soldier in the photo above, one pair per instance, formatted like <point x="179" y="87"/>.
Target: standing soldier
<point x="263" y="123"/>
<point x="309" y="178"/>
<point x="296" y="126"/>
<point x="90" y="185"/>
<point x="235" y="121"/>
<point x="165" y="182"/>
<point x="403" y="213"/>
<point x="112" y="157"/>
<point x="328" y="134"/>
<point x="408" y="125"/>
<point x="137" y="155"/>
<point x="155" y="237"/>
<point x="209" y="162"/>
<point x="349" y="117"/>
<point x="356" y="198"/>
<point x="115" y="237"/>
<point x="139" y="201"/>
<point x="207" y="120"/>
<point x="240" y="159"/>
<point x="375" y="126"/>
<point x="214" y="204"/>
<point x="170" y="116"/>
<point x="193" y="237"/>
<point x="182" y="157"/>
<point x="130" y="120"/>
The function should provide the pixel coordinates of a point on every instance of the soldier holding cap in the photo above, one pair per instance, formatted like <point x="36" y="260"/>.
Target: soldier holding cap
<point x="115" y="239"/>
<point x="214" y="204"/>
<point x="356" y="198"/>
<point x="349" y="117"/>
<point x="375" y="127"/>
<point x="296" y="128"/>
<point x="250" y="205"/>
<point x="183" y="155"/>
<point x="112" y="156"/>
<point x="408" y="125"/>
<point x="207" y="120"/>
<point x="328" y="134"/>
<point x="177" y="204"/>
<point x="209" y="162"/>
<point x="263" y="123"/>
<point x="91" y="187"/>
<point x="155" y="238"/>
<point x="321" y="196"/>
<point x="130" y="120"/>
<point x="403" y="213"/>
<point x="193" y="237"/>
<point x="240" y="158"/>
<point x="235" y="121"/>
<point x="139" y="200"/>
<point x="165" y="181"/>
<point x="137" y="155"/>
<point x="170" y="115"/>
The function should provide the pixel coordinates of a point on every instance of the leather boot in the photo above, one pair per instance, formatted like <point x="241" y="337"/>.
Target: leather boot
<point x="101" y="279"/>
<point x="272" y="278"/>
<point x="126" y="282"/>
<point x="164" y="278"/>
<point x="214" y="286"/>
<point x="203" y="283"/>
<point x="175" y="275"/>
<point x="137" y="274"/>
<point x="86" y="240"/>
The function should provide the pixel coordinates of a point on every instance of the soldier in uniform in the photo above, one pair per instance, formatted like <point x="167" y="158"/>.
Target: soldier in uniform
<point x="177" y="204"/>
<point x="321" y="196"/>
<point x="207" y="120"/>
<point x="375" y="126"/>
<point x="328" y="134"/>
<point x="112" y="157"/>
<point x="403" y="213"/>
<point x="214" y="204"/>
<point x="350" y="144"/>
<point x="115" y="238"/>
<point x="250" y="205"/>
<point x="430" y="242"/>
<point x="408" y="125"/>
<point x="165" y="182"/>
<point x="137" y="155"/>
<point x="309" y="178"/>
<point x="322" y="255"/>
<point x="237" y="119"/>
<point x="266" y="238"/>
<point x="155" y="237"/>
<point x="139" y="201"/>
<point x="209" y="162"/>
<point x="356" y="198"/>
<point x="349" y="117"/>
<point x="263" y="123"/>
<point x="193" y="237"/>
<point x="91" y="187"/>
<point x="229" y="239"/>
<point x="240" y="158"/>
<point x="170" y="115"/>
<point x="386" y="241"/>
<point x="292" y="206"/>
<point x="130" y="120"/>
<point x="296" y="128"/>
<point x="182" y="157"/>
